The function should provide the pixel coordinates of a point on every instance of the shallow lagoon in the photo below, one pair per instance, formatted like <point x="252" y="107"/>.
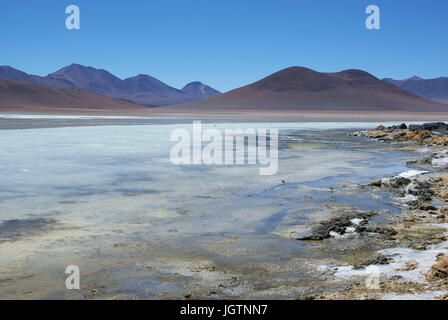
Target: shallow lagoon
<point x="108" y="199"/>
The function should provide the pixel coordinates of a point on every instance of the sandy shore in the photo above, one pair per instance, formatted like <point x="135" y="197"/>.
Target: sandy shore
<point x="224" y="115"/>
<point x="23" y="118"/>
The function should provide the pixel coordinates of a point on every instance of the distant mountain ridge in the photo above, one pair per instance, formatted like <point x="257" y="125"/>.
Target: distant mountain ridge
<point x="292" y="89"/>
<point x="303" y="89"/>
<point x="142" y="89"/>
<point x="18" y="96"/>
<point x="433" y="89"/>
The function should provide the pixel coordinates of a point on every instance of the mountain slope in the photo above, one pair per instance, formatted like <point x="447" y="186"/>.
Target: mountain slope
<point x="88" y="78"/>
<point x="16" y="95"/>
<point x="302" y="89"/>
<point x="433" y="89"/>
<point x="198" y="91"/>
<point x="142" y="89"/>
<point x="9" y="73"/>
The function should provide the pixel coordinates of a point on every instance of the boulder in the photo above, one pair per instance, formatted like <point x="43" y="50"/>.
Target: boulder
<point x="439" y="127"/>
<point x="402" y="126"/>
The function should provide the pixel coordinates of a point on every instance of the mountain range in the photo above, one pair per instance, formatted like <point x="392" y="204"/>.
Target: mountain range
<point x="142" y="89"/>
<point x="18" y="96"/>
<point x="302" y="89"/>
<point x="296" y="89"/>
<point x="433" y="89"/>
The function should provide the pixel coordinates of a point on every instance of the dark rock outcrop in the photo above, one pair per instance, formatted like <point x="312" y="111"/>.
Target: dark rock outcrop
<point x="339" y="225"/>
<point x="438" y="127"/>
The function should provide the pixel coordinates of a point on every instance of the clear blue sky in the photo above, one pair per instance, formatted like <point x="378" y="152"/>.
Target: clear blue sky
<point x="229" y="43"/>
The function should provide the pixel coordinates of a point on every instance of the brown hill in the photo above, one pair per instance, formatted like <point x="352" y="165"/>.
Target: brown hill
<point x="18" y="96"/>
<point x="302" y="89"/>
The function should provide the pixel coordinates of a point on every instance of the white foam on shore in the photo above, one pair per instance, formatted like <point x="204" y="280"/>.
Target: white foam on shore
<point x="440" y="163"/>
<point x="336" y="235"/>
<point x="411" y="173"/>
<point x="427" y="295"/>
<point x="425" y="259"/>
<point x="440" y="160"/>
<point x="408" y="198"/>
<point x="357" y="221"/>
<point x="349" y="232"/>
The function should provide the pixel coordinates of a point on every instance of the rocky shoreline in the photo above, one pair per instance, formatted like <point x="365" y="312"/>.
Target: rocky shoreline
<point x="413" y="263"/>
